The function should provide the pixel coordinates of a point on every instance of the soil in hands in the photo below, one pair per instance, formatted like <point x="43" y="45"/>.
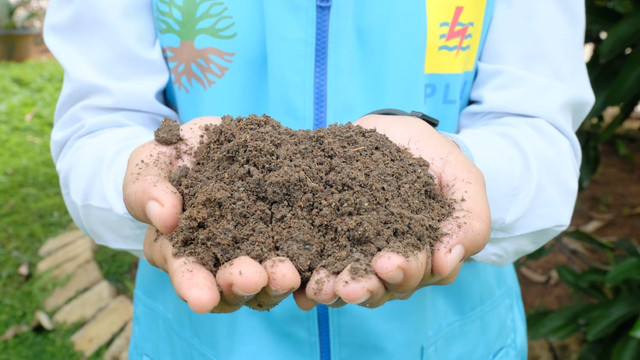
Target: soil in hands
<point x="324" y="199"/>
<point x="168" y="133"/>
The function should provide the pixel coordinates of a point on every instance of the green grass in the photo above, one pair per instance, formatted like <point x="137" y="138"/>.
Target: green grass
<point x="32" y="209"/>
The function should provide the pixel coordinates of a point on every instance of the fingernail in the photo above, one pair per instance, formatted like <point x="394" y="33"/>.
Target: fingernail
<point x="334" y="300"/>
<point x="395" y="277"/>
<point x="455" y="256"/>
<point x="364" y="298"/>
<point x="242" y="293"/>
<point x="153" y="209"/>
<point x="274" y="292"/>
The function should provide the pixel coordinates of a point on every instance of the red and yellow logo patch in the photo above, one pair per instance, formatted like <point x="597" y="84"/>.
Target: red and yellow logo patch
<point x="453" y="35"/>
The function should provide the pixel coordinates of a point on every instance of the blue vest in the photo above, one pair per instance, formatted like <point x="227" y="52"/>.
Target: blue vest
<point x="309" y="64"/>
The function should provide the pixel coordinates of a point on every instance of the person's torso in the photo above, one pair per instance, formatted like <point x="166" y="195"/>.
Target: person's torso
<point x="309" y="64"/>
<point x="312" y="63"/>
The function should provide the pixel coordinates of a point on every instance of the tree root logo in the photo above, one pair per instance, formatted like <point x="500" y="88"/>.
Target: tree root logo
<point x="188" y="20"/>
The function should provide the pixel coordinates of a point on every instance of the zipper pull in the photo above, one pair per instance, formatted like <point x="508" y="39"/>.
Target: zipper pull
<point x="323" y="3"/>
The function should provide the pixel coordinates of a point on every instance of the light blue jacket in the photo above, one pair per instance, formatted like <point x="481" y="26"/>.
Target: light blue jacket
<point x="506" y="79"/>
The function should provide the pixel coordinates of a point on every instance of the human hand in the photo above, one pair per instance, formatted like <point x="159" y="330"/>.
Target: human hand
<point x="150" y="198"/>
<point x="466" y="232"/>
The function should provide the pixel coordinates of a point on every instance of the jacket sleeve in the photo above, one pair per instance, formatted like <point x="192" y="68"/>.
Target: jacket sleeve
<point x="530" y="95"/>
<point x="111" y="101"/>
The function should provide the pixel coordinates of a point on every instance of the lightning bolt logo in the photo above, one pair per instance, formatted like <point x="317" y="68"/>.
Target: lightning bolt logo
<point x="459" y="33"/>
<point x="454" y="31"/>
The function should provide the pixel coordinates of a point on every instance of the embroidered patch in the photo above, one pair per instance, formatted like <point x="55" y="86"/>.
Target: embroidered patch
<point x="453" y="35"/>
<point x="188" y="20"/>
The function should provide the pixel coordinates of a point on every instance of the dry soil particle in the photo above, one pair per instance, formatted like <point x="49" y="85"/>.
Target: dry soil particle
<point x="168" y="133"/>
<point x="323" y="198"/>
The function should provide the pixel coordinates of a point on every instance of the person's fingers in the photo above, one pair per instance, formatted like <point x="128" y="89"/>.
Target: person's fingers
<point x="283" y="279"/>
<point x="321" y="287"/>
<point x="191" y="281"/>
<point x="240" y="279"/>
<point x="451" y="277"/>
<point x="147" y="193"/>
<point x="194" y="284"/>
<point x="363" y="289"/>
<point x="445" y="260"/>
<point x="155" y="247"/>
<point x="283" y="276"/>
<point x="400" y="273"/>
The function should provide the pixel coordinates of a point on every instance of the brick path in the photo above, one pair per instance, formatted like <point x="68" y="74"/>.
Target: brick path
<point x="85" y="297"/>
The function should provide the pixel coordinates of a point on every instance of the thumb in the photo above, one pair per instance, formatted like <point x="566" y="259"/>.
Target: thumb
<point x="147" y="192"/>
<point x="163" y="214"/>
<point x="446" y="259"/>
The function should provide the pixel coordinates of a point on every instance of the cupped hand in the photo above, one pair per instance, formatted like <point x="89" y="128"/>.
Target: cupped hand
<point x="466" y="232"/>
<point x="150" y="198"/>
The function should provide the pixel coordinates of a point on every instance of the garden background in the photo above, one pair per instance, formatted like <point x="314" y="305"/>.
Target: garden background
<point x="580" y="291"/>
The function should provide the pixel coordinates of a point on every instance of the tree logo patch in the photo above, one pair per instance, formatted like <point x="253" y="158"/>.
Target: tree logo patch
<point x="189" y="20"/>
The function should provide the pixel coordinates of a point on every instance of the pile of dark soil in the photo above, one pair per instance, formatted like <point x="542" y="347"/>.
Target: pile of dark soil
<point x="323" y="198"/>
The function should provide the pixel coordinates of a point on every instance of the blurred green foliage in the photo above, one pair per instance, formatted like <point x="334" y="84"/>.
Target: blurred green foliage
<point x="613" y="27"/>
<point x="15" y="14"/>
<point x="607" y="306"/>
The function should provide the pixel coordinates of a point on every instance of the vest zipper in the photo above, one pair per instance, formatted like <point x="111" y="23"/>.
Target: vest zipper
<point x="323" y="8"/>
<point x="323" y="332"/>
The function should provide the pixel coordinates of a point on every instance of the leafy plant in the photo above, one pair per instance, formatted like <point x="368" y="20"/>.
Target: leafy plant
<point x="15" y="14"/>
<point x="613" y="27"/>
<point x="607" y="310"/>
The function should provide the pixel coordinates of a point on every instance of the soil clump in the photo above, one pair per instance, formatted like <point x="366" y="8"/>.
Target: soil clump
<point x="324" y="199"/>
<point x="168" y="133"/>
